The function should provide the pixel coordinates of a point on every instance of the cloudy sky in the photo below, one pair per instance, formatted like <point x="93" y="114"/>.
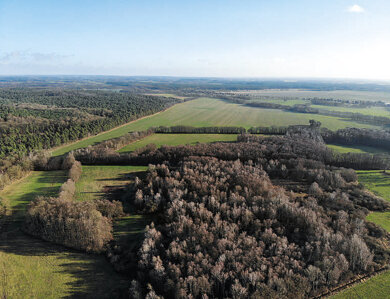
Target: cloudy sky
<point x="225" y="38"/>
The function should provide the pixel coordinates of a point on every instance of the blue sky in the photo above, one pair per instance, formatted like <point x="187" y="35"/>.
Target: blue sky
<point x="300" y="38"/>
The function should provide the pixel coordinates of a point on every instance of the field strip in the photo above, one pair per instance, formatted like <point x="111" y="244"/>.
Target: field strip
<point x="113" y="129"/>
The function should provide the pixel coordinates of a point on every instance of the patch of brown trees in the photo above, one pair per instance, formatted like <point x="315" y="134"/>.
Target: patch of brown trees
<point x="226" y="231"/>
<point x="84" y="225"/>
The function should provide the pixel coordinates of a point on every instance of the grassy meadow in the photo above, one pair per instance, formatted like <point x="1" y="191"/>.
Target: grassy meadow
<point x="334" y="94"/>
<point x="177" y="139"/>
<point x="95" y="181"/>
<point x="205" y="112"/>
<point x="378" y="183"/>
<point x="32" y="268"/>
<point x="377" y="287"/>
<point x="360" y="149"/>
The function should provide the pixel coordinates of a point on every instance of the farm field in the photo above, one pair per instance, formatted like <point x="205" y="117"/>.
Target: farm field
<point x="374" y="111"/>
<point x="177" y="139"/>
<point x="31" y="268"/>
<point x="204" y="112"/>
<point x="356" y="149"/>
<point x="335" y="94"/>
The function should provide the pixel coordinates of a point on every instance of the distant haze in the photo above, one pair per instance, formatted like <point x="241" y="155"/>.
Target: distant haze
<point x="230" y="38"/>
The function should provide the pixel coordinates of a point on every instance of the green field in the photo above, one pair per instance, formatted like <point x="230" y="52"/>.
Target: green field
<point x="96" y="179"/>
<point x="212" y="112"/>
<point x="177" y="139"/>
<point x="19" y="194"/>
<point x="378" y="183"/>
<point x="332" y="94"/>
<point x="360" y="149"/>
<point x="31" y="268"/>
<point x="375" y="111"/>
<point x="377" y="287"/>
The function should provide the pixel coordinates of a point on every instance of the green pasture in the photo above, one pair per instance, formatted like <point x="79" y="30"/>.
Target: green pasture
<point x="374" y="111"/>
<point x="377" y="287"/>
<point x="331" y="94"/>
<point x="32" y="268"/>
<point x="204" y="112"/>
<point x="360" y="149"/>
<point x="177" y="139"/>
<point x="96" y="181"/>
<point x="379" y="184"/>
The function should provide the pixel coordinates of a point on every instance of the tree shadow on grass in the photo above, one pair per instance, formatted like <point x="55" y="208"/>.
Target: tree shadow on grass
<point x="93" y="276"/>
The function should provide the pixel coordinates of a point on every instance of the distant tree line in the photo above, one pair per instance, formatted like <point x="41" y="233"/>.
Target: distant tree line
<point x="199" y="130"/>
<point x="102" y="111"/>
<point x="358" y="136"/>
<point x="345" y="103"/>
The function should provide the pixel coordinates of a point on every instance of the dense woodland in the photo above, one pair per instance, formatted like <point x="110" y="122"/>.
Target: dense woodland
<point x="233" y="227"/>
<point x="33" y="119"/>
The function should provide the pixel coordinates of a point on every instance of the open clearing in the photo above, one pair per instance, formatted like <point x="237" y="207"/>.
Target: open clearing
<point x="31" y="268"/>
<point x="360" y="149"/>
<point x="95" y="179"/>
<point x="378" y="183"/>
<point x="204" y="112"/>
<point x="177" y="139"/>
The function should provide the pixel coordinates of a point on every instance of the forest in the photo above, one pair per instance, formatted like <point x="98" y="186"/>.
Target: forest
<point x="34" y="119"/>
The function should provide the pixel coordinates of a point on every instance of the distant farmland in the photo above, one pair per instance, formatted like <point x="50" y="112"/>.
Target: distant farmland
<point x="205" y="112"/>
<point x="335" y="94"/>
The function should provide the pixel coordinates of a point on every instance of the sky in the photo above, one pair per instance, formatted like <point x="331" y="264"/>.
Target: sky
<point x="203" y="38"/>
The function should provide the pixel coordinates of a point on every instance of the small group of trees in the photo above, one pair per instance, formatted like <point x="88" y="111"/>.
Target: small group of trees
<point x="84" y="225"/>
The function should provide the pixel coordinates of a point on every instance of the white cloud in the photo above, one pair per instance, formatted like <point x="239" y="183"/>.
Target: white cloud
<point x="356" y="9"/>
